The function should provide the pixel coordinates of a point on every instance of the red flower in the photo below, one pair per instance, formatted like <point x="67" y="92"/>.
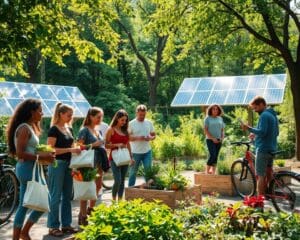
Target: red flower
<point x="255" y="201"/>
<point x="230" y="211"/>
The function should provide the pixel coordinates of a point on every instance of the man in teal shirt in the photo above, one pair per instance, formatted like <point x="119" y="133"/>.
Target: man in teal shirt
<point x="265" y="135"/>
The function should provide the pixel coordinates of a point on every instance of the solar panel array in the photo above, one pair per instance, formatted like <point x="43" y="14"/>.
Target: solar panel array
<point x="12" y="93"/>
<point x="232" y="90"/>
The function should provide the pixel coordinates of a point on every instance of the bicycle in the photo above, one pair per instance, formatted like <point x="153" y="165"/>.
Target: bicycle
<point x="9" y="188"/>
<point x="283" y="188"/>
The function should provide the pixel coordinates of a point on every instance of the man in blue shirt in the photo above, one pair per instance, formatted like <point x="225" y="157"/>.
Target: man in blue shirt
<point x="265" y="135"/>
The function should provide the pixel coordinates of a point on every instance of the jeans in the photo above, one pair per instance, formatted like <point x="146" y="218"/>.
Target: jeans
<point x="24" y="174"/>
<point x="214" y="149"/>
<point x="119" y="174"/>
<point x="145" y="158"/>
<point x="60" y="190"/>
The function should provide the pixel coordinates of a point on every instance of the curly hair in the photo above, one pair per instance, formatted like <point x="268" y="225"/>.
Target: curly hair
<point x="209" y="110"/>
<point x="22" y="114"/>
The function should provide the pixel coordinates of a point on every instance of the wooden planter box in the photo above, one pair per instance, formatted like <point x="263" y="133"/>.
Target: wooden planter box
<point x="215" y="183"/>
<point x="169" y="197"/>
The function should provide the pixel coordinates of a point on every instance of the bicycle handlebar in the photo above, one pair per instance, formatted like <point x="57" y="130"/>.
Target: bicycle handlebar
<point x="248" y="143"/>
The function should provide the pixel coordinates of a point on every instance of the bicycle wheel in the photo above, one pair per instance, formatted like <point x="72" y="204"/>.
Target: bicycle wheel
<point x="285" y="192"/>
<point x="8" y="195"/>
<point x="243" y="179"/>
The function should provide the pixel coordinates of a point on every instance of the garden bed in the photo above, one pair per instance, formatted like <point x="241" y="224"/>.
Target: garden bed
<point x="169" y="197"/>
<point x="215" y="183"/>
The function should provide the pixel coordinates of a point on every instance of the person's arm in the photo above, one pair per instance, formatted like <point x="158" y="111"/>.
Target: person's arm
<point x="52" y="141"/>
<point x="130" y="153"/>
<point x="262" y="127"/>
<point x="23" y="135"/>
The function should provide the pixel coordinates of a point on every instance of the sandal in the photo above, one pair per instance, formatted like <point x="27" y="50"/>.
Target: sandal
<point x="69" y="230"/>
<point x="82" y="220"/>
<point x="55" y="232"/>
<point x="89" y="210"/>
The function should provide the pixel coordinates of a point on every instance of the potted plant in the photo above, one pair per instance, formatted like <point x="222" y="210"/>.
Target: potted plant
<point x="169" y="187"/>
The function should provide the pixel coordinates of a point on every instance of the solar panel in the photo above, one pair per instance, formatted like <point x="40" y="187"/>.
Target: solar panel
<point x="13" y="93"/>
<point x="230" y="90"/>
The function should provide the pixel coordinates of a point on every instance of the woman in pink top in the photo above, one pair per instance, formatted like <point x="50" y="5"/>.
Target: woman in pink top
<point x="117" y="136"/>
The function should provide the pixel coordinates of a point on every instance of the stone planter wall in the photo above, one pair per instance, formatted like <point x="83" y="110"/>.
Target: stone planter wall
<point x="169" y="197"/>
<point x="215" y="183"/>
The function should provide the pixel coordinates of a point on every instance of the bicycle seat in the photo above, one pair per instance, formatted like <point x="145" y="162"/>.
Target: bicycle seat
<point x="3" y="156"/>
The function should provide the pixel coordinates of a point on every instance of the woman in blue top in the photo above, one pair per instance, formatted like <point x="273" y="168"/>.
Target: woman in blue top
<point x="88" y="135"/>
<point x="214" y="132"/>
<point x="23" y="136"/>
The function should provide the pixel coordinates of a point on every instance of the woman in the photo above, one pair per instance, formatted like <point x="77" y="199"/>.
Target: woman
<point x="117" y="137"/>
<point x="23" y="136"/>
<point x="60" y="137"/>
<point x="214" y="132"/>
<point x="89" y="135"/>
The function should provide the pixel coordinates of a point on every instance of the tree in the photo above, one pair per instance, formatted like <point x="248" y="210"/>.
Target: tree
<point x="54" y="30"/>
<point x="157" y="31"/>
<point x="274" y="28"/>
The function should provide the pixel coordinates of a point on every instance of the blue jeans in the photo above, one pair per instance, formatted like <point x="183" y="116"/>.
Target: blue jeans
<point x="24" y="174"/>
<point x="214" y="149"/>
<point x="119" y="174"/>
<point x="145" y="158"/>
<point x="60" y="190"/>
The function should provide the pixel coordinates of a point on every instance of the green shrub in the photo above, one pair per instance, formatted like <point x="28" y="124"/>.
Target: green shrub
<point x="135" y="220"/>
<point x="198" y="165"/>
<point x="224" y="167"/>
<point x="279" y="163"/>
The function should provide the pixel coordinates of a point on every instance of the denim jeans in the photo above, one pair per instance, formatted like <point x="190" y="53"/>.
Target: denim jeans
<point x="145" y="158"/>
<point x="60" y="193"/>
<point x="119" y="174"/>
<point x="214" y="149"/>
<point x="24" y="174"/>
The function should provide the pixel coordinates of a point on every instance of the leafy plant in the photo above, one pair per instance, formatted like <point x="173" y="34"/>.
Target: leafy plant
<point x="224" y="167"/>
<point x="132" y="220"/>
<point x="174" y="180"/>
<point x="279" y="163"/>
<point x="198" y="165"/>
<point x="85" y="174"/>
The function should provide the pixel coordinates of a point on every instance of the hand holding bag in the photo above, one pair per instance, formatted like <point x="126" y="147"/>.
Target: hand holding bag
<point x="121" y="156"/>
<point x="36" y="194"/>
<point x="84" y="159"/>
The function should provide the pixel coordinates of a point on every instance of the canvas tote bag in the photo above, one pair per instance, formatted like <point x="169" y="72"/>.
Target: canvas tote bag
<point x="84" y="159"/>
<point x="121" y="156"/>
<point x="84" y="190"/>
<point x="36" y="194"/>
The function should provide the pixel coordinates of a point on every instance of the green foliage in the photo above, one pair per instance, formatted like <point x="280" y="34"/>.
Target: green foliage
<point x="88" y="174"/>
<point x="213" y="220"/>
<point x="279" y="163"/>
<point x="224" y="167"/>
<point x="198" y="165"/>
<point x="55" y="29"/>
<point x="132" y="220"/>
<point x="3" y="125"/>
<point x="174" y="180"/>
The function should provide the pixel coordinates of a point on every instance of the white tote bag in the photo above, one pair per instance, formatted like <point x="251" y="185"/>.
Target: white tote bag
<point x="84" y="159"/>
<point x="121" y="156"/>
<point x="36" y="194"/>
<point x="84" y="190"/>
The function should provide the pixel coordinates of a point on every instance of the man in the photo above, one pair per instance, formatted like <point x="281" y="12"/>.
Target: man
<point x="265" y="134"/>
<point x="141" y="133"/>
<point x="103" y="126"/>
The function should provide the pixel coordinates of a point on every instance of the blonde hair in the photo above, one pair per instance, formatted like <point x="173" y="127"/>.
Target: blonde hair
<point x="59" y="108"/>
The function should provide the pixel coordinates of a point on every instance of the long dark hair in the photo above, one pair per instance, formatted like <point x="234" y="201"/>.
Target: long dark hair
<point x="93" y="111"/>
<point x="117" y="116"/>
<point x="22" y="114"/>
